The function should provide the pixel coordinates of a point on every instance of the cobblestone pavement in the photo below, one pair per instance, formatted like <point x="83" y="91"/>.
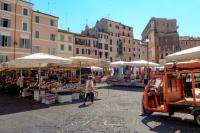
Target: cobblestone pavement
<point x="117" y="110"/>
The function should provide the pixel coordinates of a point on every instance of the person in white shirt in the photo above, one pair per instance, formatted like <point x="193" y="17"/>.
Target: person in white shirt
<point x="89" y="90"/>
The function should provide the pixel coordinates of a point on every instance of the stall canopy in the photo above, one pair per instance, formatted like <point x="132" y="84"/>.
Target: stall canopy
<point x="82" y="61"/>
<point x="141" y="63"/>
<point x="118" y="63"/>
<point x="37" y="60"/>
<point x="95" y="68"/>
<point x="188" y="54"/>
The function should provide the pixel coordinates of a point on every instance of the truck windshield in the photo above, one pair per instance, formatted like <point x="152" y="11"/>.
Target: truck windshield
<point x="155" y="83"/>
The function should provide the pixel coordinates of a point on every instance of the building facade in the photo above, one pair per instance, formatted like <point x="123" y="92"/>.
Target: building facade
<point x="24" y="31"/>
<point x="162" y="38"/>
<point x="44" y="33"/>
<point x="65" y="44"/>
<point x="114" y="40"/>
<point x="85" y="46"/>
<point x="139" y="50"/>
<point x="15" y="29"/>
<point x="186" y="42"/>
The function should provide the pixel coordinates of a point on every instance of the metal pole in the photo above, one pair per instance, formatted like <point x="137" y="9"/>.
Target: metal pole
<point x="80" y="73"/>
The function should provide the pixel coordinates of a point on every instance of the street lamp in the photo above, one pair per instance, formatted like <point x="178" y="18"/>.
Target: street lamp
<point x="147" y="45"/>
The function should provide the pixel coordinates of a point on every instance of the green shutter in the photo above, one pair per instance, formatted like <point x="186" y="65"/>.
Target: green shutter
<point x="28" y="43"/>
<point x="1" y="40"/>
<point x="9" y="41"/>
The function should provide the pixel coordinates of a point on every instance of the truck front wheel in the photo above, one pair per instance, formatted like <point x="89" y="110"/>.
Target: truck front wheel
<point x="197" y="117"/>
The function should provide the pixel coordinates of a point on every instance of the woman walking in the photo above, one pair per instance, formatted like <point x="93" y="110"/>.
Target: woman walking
<point x="89" y="89"/>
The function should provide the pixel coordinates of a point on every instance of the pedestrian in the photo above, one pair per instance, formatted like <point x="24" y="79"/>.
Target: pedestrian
<point x="89" y="90"/>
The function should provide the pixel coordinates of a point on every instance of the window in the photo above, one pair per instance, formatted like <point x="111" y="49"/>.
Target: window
<point x="110" y="49"/>
<point x="51" y="22"/>
<point x="37" y="19"/>
<point x="129" y="58"/>
<point x="5" y="23"/>
<point x="62" y="47"/>
<point x="77" y="50"/>
<point x="51" y="51"/>
<point x="110" y="41"/>
<point x="24" y="43"/>
<point x="95" y="52"/>
<point x="88" y="52"/>
<point x="5" y="41"/>
<point x="129" y="41"/>
<point x="166" y="54"/>
<point x="134" y="49"/>
<point x="62" y="38"/>
<point x="129" y="50"/>
<point x="106" y="46"/>
<point x="83" y="51"/>
<point x="6" y="7"/>
<point x="110" y="25"/>
<point x="70" y="39"/>
<point x="36" y="49"/>
<point x="69" y="47"/>
<point x="25" y="11"/>
<point x="100" y="45"/>
<point x="25" y="26"/>
<point x="3" y="58"/>
<point x="52" y="37"/>
<point x="161" y="56"/>
<point x="106" y="55"/>
<point x="100" y="54"/>
<point x="37" y="34"/>
<point x="111" y="59"/>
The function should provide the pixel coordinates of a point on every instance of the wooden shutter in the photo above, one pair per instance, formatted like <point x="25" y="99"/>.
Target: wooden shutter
<point x="9" y="7"/>
<point x="28" y="43"/>
<point x="1" y="40"/>
<point x="2" y="5"/>
<point x="9" y="41"/>
<point x="9" y="23"/>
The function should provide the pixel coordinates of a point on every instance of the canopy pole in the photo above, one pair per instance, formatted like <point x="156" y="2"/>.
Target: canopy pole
<point x="39" y="76"/>
<point x="80" y="73"/>
<point x="21" y="79"/>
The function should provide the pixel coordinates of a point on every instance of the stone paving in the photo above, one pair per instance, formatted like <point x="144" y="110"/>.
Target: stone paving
<point x="117" y="110"/>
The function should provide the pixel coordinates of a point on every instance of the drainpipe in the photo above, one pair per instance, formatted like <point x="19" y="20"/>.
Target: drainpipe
<point x="15" y="26"/>
<point x="31" y="40"/>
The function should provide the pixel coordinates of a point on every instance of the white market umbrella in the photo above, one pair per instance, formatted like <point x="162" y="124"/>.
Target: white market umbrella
<point x="95" y="68"/>
<point x="37" y="60"/>
<point x="188" y="54"/>
<point x="141" y="63"/>
<point x="118" y="63"/>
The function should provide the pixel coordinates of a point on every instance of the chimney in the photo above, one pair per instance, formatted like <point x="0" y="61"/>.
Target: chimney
<point x="68" y="29"/>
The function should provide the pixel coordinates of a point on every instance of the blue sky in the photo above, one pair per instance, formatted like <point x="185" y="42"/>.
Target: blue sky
<point x="136" y="13"/>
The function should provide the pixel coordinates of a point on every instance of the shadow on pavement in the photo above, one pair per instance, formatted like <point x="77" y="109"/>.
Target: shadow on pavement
<point x="122" y="88"/>
<point x="10" y="104"/>
<point x="166" y="124"/>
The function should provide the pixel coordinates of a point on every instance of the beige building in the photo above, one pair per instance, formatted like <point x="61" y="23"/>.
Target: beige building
<point x="15" y="29"/>
<point x="65" y="44"/>
<point x="24" y="31"/>
<point x="186" y="42"/>
<point x="139" y="50"/>
<point x="163" y="38"/>
<point x="44" y="33"/>
<point x="114" y="39"/>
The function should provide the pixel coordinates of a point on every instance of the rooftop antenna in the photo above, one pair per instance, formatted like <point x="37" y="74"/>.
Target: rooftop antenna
<point x="48" y="7"/>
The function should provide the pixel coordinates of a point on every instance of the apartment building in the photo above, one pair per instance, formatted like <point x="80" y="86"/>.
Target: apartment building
<point x="162" y="38"/>
<point x="15" y="29"/>
<point x="186" y="42"/>
<point x="65" y="43"/>
<point x="116" y="38"/>
<point x="139" y="50"/>
<point x="44" y="33"/>
<point x="86" y="46"/>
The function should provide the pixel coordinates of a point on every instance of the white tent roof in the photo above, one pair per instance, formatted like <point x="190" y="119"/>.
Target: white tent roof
<point x="188" y="54"/>
<point x="118" y="63"/>
<point x="37" y="60"/>
<point x="142" y="63"/>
